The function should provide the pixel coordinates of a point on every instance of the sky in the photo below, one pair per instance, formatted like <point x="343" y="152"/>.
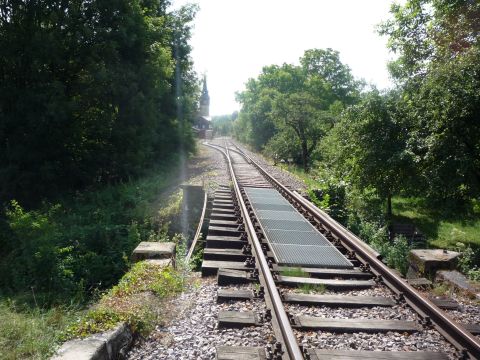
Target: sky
<point x="234" y="39"/>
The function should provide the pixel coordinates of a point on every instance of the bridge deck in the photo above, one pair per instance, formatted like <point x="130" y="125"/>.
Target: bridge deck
<point x="292" y="239"/>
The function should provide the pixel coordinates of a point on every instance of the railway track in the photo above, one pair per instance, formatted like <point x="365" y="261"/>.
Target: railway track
<point x="319" y="282"/>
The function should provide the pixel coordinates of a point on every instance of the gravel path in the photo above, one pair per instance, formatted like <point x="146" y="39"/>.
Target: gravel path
<point x="208" y="167"/>
<point x="194" y="335"/>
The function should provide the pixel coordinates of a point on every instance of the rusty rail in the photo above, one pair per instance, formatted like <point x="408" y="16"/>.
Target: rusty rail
<point x="199" y="230"/>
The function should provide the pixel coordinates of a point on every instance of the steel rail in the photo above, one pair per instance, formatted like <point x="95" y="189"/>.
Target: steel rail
<point x="456" y="334"/>
<point x="289" y="340"/>
<point x="199" y="230"/>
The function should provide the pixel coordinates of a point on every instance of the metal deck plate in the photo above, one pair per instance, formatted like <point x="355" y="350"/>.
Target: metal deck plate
<point x="260" y="206"/>
<point x="269" y="224"/>
<point x="308" y="255"/>
<point x="269" y="200"/>
<point x="293" y="240"/>
<point x="279" y="215"/>
<point x="298" y="237"/>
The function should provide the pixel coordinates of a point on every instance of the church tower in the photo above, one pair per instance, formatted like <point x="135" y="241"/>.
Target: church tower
<point x="204" y="99"/>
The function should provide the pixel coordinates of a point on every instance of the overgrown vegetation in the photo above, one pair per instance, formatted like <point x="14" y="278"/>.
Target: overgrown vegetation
<point x="31" y="333"/>
<point x="131" y="301"/>
<point x="64" y="251"/>
<point x="67" y="253"/>
<point x="96" y="101"/>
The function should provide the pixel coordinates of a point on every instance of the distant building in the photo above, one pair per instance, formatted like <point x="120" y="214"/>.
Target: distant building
<point x="202" y="125"/>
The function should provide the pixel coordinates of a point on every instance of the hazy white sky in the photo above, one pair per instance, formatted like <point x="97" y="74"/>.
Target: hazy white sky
<point x="233" y="39"/>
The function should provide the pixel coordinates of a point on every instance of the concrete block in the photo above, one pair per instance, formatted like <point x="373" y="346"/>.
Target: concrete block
<point x="160" y="262"/>
<point x="83" y="349"/>
<point x="108" y="345"/>
<point x="154" y="250"/>
<point x="459" y="281"/>
<point x="426" y="262"/>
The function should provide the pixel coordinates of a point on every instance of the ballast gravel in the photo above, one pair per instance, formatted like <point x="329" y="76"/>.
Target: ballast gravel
<point x="284" y="177"/>
<point x="208" y="167"/>
<point x="428" y="340"/>
<point x="397" y="312"/>
<point x="379" y="290"/>
<point x="194" y="335"/>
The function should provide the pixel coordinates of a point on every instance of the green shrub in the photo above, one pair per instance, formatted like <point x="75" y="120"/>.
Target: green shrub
<point x="469" y="260"/>
<point x="41" y="261"/>
<point x="396" y="254"/>
<point x="331" y="197"/>
<point x="65" y="251"/>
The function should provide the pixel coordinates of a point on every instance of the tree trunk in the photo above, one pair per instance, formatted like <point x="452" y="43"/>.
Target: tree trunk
<point x="389" y="206"/>
<point x="305" y="156"/>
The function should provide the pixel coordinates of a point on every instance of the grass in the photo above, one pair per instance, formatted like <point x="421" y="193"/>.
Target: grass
<point x="307" y="178"/>
<point x="35" y="333"/>
<point x="297" y="272"/>
<point x="442" y="229"/>
<point x="311" y="288"/>
<point x="136" y="300"/>
<point x="31" y="334"/>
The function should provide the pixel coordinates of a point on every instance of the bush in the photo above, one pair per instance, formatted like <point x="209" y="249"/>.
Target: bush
<point x="468" y="262"/>
<point x="63" y="252"/>
<point x="42" y="261"/>
<point x="331" y="197"/>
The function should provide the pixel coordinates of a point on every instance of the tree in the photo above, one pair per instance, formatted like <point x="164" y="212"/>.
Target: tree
<point x="89" y="92"/>
<point x="425" y="32"/>
<point x="304" y="99"/>
<point x="371" y="146"/>
<point x="299" y="112"/>
<point x="438" y="43"/>
<point x="326" y="65"/>
<point x="446" y="134"/>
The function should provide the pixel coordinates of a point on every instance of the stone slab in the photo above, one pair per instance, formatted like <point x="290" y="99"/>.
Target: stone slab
<point x="429" y="261"/>
<point x="153" y="250"/>
<point x="460" y="281"/>
<point x="160" y="262"/>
